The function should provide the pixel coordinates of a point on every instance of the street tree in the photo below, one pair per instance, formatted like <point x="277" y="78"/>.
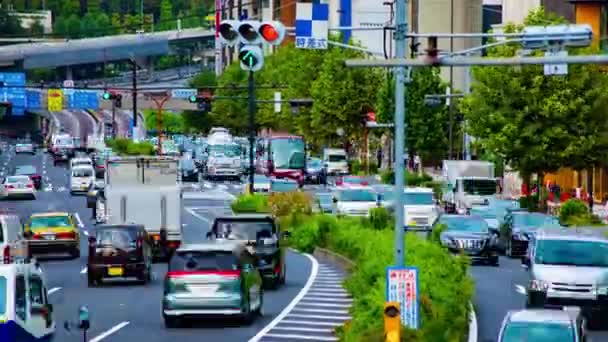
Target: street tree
<point x="166" y="18"/>
<point x="536" y="123"/>
<point x="426" y="126"/>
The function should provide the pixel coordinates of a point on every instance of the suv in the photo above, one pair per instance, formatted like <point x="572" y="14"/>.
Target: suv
<point x="119" y="252"/>
<point x="542" y="325"/>
<point x="261" y="234"/>
<point x="216" y="278"/>
<point x="569" y="267"/>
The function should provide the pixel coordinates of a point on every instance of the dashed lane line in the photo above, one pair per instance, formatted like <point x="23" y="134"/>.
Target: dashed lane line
<point x="80" y="224"/>
<point x="109" y="332"/>
<point x="200" y="217"/>
<point x="83" y="271"/>
<point x="520" y="289"/>
<point x="53" y="290"/>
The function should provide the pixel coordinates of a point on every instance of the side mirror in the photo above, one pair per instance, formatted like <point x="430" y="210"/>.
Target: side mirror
<point x="335" y="200"/>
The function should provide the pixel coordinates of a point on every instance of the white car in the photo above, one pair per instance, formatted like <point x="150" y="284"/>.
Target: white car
<point x="420" y="210"/>
<point x="25" y="148"/>
<point x="355" y="201"/>
<point x="81" y="178"/>
<point x="261" y="183"/>
<point x="17" y="187"/>
<point x="81" y="161"/>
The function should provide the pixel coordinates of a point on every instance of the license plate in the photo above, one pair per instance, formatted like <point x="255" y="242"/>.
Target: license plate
<point x="203" y="290"/>
<point x="115" y="271"/>
<point x="412" y="223"/>
<point x="49" y="236"/>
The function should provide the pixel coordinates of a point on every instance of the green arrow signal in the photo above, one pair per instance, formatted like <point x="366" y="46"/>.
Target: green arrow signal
<point x="249" y="58"/>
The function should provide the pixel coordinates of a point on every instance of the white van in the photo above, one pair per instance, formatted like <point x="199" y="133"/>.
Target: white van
<point x="335" y="159"/>
<point x="81" y="178"/>
<point x="24" y="306"/>
<point x="81" y="161"/>
<point x="12" y="243"/>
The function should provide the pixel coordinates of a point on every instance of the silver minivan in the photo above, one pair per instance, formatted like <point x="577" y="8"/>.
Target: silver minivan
<point x="569" y="267"/>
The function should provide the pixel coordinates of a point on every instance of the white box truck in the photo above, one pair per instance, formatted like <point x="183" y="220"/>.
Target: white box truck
<point x="468" y="183"/>
<point x="335" y="159"/>
<point x="145" y="191"/>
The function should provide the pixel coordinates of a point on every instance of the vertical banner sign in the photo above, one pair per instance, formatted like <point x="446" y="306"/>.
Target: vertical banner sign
<point x="218" y="45"/>
<point x="402" y="287"/>
<point x="55" y="100"/>
<point x="311" y="25"/>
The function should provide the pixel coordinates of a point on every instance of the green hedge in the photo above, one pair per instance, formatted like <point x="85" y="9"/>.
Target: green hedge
<point x="124" y="146"/>
<point x="575" y="213"/>
<point x="411" y="179"/>
<point x="254" y="203"/>
<point x="445" y="287"/>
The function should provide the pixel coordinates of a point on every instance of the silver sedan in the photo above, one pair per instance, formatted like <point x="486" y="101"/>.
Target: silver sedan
<point x="17" y="187"/>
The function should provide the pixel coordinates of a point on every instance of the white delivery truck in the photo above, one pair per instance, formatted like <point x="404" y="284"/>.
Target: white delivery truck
<point x="335" y="159"/>
<point x="468" y="183"/>
<point x="144" y="190"/>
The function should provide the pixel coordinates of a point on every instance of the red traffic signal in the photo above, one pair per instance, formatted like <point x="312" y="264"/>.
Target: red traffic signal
<point x="273" y="32"/>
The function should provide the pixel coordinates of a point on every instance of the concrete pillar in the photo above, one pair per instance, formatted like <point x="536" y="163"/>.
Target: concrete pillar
<point x="68" y="73"/>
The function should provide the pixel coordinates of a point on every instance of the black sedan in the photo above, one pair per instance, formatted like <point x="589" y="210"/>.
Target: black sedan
<point x="261" y="234"/>
<point x="471" y="235"/>
<point x="519" y="227"/>
<point x="30" y="171"/>
<point x="315" y="172"/>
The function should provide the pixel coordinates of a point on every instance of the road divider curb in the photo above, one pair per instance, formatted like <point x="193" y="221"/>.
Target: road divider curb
<point x="335" y="258"/>
<point x="311" y="278"/>
<point x="473" y="330"/>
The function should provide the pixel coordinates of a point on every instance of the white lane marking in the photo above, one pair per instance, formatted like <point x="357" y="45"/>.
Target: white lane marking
<point x="85" y="232"/>
<point x="325" y="305"/>
<point x="222" y="187"/>
<point x="327" y="294"/>
<point x="327" y="286"/>
<point x="302" y="337"/>
<point x="473" y="332"/>
<point x="337" y="312"/>
<point x="109" y="332"/>
<point x="80" y="224"/>
<point x="327" y="290"/>
<point x="520" y="289"/>
<point x="295" y="321"/>
<point x="290" y="328"/>
<point x="200" y="217"/>
<point x="207" y="185"/>
<point x="43" y="171"/>
<point x="333" y="300"/>
<point x="53" y="290"/>
<point x="83" y="271"/>
<point x="293" y="303"/>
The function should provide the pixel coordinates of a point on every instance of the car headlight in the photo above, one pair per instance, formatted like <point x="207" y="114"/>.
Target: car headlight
<point x="602" y="290"/>
<point x="539" y="285"/>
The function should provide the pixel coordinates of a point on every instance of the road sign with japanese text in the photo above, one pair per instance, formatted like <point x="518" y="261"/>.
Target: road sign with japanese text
<point x="402" y="287"/>
<point x="13" y="91"/>
<point x="311" y="25"/>
<point x="183" y="93"/>
<point x="55" y="100"/>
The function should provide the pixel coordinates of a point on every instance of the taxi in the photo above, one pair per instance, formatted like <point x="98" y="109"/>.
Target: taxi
<point x="52" y="233"/>
<point x="25" y="313"/>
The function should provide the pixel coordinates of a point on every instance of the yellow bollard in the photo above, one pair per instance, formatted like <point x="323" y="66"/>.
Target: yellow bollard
<point x="392" y="322"/>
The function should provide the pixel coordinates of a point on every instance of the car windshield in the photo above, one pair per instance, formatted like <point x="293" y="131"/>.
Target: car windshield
<point x="410" y="198"/>
<point x="244" y="230"/>
<point x="225" y="150"/>
<point x="334" y="158"/>
<point x="82" y="173"/>
<point x="353" y="180"/>
<point x="572" y="252"/>
<point x="356" y="196"/>
<point x="203" y="261"/>
<point x="485" y="212"/>
<point x="288" y="153"/>
<point x="3" y="295"/>
<point x="534" y="220"/>
<point x="49" y="221"/>
<point x="17" y="179"/>
<point x="472" y="224"/>
<point x="25" y="170"/>
<point x="261" y="179"/>
<point x="118" y="238"/>
<point x="538" y="332"/>
<point x="283" y="186"/>
<point x="480" y="186"/>
<point x="325" y="199"/>
<point x="314" y="163"/>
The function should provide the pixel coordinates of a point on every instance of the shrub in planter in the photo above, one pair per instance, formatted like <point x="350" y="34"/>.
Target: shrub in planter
<point x="572" y="207"/>
<point x="380" y="218"/>
<point x="412" y="179"/>
<point x="290" y="203"/>
<point x="250" y="203"/>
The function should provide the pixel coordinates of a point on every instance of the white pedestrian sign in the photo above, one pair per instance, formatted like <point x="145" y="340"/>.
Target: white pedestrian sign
<point x="311" y="25"/>
<point x="402" y="287"/>
<point x="183" y="93"/>
<point x="556" y="69"/>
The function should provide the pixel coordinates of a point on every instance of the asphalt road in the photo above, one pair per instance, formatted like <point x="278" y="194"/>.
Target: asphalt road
<point x="130" y="312"/>
<point x="500" y="289"/>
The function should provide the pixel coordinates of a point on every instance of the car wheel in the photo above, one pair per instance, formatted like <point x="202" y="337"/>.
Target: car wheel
<point x="171" y="322"/>
<point x="495" y="261"/>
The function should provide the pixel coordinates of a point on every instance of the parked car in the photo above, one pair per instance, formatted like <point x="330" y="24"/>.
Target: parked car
<point x="119" y="252"/>
<point x="215" y="278"/>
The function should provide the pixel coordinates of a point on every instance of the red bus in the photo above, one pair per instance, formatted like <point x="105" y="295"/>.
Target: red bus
<point x="282" y="156"/>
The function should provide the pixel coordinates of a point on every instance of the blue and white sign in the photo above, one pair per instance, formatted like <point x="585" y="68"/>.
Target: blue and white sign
<point x="402" y="287"/>
<point x="183" y="93"/>
<point x="14" y="91"/>
<point x="83" y="99"/>
<point x="33" y="99"/>
<point x="311" y="25"/>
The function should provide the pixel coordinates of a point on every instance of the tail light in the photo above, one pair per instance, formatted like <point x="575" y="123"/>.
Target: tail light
<point x="66" y="235"/>
<point x="173" y="244"/>
<point x="364" y="183"/>
<point x="140" y="242"/>
<point x="226" y="273"/>
<point x="10" y="187"/>
<point x="339" y="181"/>
<point x="30" y="185"/>
<point x="277" y="268"/>
<point x="36" y="237"/>
<point x="7" y="255"/>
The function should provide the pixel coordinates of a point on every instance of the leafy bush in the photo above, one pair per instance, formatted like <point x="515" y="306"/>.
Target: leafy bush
<point x="356" y="167"/>
<point x="445" y="287"/>
<point x="572" y="208"/>
<point x="411" y="179"/>
<point x="380" y="218"/>
<point x="250" y="203"/>
<point x="124" y="146"/>
<point x="436" y="186"/>
<point x="436" y="233"/>
<point x="283" y="204"/>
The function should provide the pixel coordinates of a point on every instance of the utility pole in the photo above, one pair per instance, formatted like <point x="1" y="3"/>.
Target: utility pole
<point x="252" y="130"/>
<point x="451" y="103"/>
<point x="113" y="119"/>
<point x="134" y="94"/>
<point x="400" y="112"/>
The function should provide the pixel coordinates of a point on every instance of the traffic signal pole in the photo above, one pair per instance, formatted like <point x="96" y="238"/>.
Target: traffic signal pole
<point x="252" y="130"/>
<point x="134" y="94"/>
<point x="113" y="119"/>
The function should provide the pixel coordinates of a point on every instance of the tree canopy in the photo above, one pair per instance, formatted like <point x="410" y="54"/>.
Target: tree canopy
<point x="539" y="123"/>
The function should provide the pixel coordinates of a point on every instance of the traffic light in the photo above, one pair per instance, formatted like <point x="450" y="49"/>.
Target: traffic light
<point x="251" y="32"/>
<point x="117" y="98"/>
<point x="251" y="58"/>
<point x="202" y="103"/>
<point x="392" y="322"/>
